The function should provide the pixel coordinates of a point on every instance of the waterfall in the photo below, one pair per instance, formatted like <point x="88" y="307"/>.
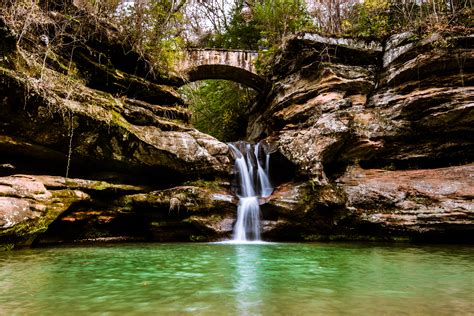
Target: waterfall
<point x="252" y="165"/>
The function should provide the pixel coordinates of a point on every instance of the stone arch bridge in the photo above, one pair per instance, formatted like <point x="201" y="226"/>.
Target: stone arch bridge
<point x="234" y="65"/>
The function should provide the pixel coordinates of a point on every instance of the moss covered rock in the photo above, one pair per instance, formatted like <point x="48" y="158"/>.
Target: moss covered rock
<point x="27" y="208"/>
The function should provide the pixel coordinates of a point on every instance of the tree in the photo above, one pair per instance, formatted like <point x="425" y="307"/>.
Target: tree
<point x="277" y="19"/>
<point x="152" y="28"/>
<point x="219" y="108"/>
<point x="242" y="31"/>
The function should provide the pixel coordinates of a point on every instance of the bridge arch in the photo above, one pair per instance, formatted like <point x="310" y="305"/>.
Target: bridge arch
<point x="234" y="65"/>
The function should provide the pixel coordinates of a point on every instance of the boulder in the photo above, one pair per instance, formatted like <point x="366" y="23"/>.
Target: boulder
<point x="205" y="212"/>
<point x="201" y="211"/>
<point x="27" y="208"/>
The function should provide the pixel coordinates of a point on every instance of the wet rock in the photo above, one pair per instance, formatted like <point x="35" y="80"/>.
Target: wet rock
<point x="309" y="148"/>
<point x="297" y="210"/>
<point x="207" y="211"/>
<point x="43" y="209"/>
<point x="6" y="168"/>
<point x="185" y="199"/>
<point x="27" y="208"/>
<point x="204" y="211"/>
<point x="417" y="204"/>
<point x="397" y="45"/>
<point x="433" y="205"/>
<point x="212" y="228"/>
<point x="58" y="183"/>
<point x="335" y="104"/>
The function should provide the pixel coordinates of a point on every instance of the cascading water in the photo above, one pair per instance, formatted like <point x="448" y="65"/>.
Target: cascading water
<point x="252" y="167"/>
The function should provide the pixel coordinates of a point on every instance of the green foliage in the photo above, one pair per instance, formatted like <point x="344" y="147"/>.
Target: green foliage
<point x="210" y="185"/>
<point x="279" y="18"/>
<point x="153" y="28"/>
<point x="382" y="18"/>
<point x="219" y="108"/>
<point x="242" y="34"/>
<point x="265" y="25"/>
<point x="239" y="33"/>
<point x="372" y="19"/>
<point x="265" y="57"/>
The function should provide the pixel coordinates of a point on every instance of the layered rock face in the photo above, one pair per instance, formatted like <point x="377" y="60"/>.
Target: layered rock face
<point x="69" y="85"/>
<point x="380" y="134"/>
<point x="77" y="102"/>
<point x="39" y="209"/>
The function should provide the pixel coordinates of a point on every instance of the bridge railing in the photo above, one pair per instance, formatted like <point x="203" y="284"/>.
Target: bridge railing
<point x="244" y="59"/>
<point x="220" y="49"/>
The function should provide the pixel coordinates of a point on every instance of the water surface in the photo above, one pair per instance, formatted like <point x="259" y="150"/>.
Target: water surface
<point x="254" y="279"/>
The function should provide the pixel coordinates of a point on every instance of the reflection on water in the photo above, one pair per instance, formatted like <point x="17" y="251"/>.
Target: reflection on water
<point x="247" y="281"/>
<point x="253" y="279"/>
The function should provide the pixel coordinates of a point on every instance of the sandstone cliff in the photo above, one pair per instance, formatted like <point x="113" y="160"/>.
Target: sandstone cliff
<point x="381" y="135"/>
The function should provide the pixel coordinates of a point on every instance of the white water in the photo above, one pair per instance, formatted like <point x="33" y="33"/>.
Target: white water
<point x="263" y="173"/>
<point x="254" y="182"/>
